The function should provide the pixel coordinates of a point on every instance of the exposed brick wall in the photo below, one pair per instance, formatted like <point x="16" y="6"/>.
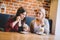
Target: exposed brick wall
<point x="28" y="5"/>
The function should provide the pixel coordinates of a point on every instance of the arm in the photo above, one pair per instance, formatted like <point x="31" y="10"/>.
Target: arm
<point x="8" y="25"/>
<point x="11" y="24"/>
<point x="18" y="20"/>
<point x="46" y="27"/>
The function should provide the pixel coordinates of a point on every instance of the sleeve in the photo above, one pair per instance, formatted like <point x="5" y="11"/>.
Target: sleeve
<point x="46" y="26"/>
<point x="8" y="25"/>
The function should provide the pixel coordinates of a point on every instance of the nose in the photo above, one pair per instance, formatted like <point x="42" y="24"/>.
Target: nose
<point x="37" y="15"/>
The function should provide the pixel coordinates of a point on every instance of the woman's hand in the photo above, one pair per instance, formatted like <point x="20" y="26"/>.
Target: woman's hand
<point x="18" y="19"/>
<point x="26" y="27"/>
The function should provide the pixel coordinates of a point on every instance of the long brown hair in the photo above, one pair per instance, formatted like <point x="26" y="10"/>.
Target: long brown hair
<point x="19" y="11"/>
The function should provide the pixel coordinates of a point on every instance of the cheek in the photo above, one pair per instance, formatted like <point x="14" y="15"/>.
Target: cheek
<point x="23" y="16"/>
<point x="41" y="16"/>
<point x="37" y="15"/>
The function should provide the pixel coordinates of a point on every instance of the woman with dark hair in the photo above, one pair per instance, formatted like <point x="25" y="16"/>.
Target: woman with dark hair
<point x="17" y="23"/>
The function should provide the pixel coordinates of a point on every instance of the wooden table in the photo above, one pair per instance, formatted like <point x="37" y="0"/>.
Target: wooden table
<point x="19" y="36"/>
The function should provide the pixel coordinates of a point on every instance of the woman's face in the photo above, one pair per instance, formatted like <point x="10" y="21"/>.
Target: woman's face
<point x="22" y="16"/>
<point x="39" y="15"/>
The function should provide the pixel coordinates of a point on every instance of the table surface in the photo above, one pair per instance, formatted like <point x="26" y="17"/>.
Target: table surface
<point x="19" y="36"/>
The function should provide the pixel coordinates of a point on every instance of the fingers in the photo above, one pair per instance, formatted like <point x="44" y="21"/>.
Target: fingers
<point x="18" y="18"/>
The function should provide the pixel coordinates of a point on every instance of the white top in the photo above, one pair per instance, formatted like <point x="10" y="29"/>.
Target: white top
<point x="38" y="29"/>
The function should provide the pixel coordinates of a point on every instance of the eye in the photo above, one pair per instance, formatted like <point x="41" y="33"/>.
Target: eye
<point x="39" y="13"/>
<point x="24" y="14"/>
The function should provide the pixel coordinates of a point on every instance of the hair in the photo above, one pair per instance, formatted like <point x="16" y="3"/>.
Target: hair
<point x="42" y="10"/>
<point x="19" y="11"/>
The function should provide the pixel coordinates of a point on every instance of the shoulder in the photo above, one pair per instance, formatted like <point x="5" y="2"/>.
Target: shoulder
<point x="10" y="20"/>
<point x="32" y="21"/>
<point x="45" y="19"/>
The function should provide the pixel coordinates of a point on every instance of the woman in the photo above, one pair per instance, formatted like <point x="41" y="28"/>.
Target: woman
<point x="40" y="25"/>
<point x="17" y="23"/>
<point x="37" y="24"/>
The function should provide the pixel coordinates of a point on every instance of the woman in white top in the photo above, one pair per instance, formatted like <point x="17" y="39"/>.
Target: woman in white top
<point x="38" y="25"/>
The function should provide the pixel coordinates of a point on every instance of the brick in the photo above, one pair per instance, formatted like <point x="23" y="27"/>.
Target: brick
<point x="30" y="1"/>
<point x="16" y="7"/>
<point x="6" y="2"/>
<point x="28" y="5"/>
<point x="7" y="11"/>
<point x="34" y="1"/>
<point x="33" y="4"/>
<point x="26" y="0"/>
<point x="14" y="0"/>
<point x="15" y="4"/>
<point x="10" y="3"/>
<point x="11" y="6"/>
<point x="13" y="12"/>
<point x="8" y="8"/>
<point x="23" y="2"/>
<point x="13" y="9"/>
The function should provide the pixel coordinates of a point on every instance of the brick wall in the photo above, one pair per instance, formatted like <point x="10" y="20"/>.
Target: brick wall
<point x="29" y="5"/>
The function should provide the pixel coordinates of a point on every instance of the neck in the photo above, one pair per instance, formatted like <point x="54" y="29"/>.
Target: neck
<point x="38" y="20"/>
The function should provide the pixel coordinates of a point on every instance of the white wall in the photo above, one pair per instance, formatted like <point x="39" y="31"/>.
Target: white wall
<point x="58" y="20"/>
<point x="57" y="32"/>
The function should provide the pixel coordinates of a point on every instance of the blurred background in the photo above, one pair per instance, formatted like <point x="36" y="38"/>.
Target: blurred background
<point x="10" y="7"/>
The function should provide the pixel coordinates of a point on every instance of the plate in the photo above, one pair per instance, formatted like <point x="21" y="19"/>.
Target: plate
<point x="24" y="32"/>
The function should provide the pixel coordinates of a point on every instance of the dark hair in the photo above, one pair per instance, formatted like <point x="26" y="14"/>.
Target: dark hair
<point x="19" y="11"/>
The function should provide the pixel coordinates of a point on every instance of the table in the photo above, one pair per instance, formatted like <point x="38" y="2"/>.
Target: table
<point x="19" y="36"/>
